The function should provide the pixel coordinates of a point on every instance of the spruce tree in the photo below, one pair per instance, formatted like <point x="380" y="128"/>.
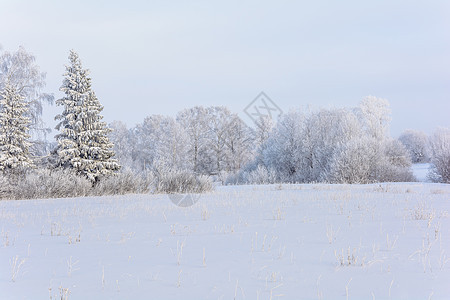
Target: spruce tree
<point x="83" y="142"/>
<point x="14" y="128"/>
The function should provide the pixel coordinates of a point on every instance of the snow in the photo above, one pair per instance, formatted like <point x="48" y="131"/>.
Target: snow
<point x="241" y="242"/>
<point x="420" y="171"/>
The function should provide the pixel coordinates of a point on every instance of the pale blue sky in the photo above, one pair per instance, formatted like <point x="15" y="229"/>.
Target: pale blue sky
<point x="158" y="57"/>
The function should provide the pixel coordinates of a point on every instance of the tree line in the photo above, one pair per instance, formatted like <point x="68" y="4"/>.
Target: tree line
<point x="341" y="145"/>
<point x="82" y="143"/>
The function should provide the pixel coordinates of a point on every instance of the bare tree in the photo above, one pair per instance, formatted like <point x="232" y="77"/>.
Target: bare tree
<point x="375" y="116"/>
<point x="160" y="143"/>
<point x="335" y="145"/>
<point x="195" y="121"/>
<point x="416" y="142"/>
<point x="240" y="144"/>
<point x="120" y="136"/>
<point x="440" y="155"/>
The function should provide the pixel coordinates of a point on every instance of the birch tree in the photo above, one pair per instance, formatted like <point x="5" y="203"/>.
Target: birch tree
<point x="19" y="70"/>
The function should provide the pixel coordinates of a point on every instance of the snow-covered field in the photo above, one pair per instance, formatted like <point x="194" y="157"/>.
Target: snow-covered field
<point x="250" y="242"/>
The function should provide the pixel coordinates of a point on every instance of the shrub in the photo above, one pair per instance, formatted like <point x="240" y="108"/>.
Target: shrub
<point x="395" y="166"/>
<point x="416" y="143"/>
<point x="181" y="182"/>
<point x="5" y="187"/>
<point x="125" y="182"/>
<point x="440" y="156"/>
<point x="260" y="175"/>
<point x="355" y="162"/>
<point x="365" y="160"/>
<point x="44" y="183"/>
<point x="252" y="174"/>
<point x="233" y="179"/>
<point x="59" y="183"/>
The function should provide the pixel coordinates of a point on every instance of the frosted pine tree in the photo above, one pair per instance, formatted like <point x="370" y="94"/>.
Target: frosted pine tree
<point x="96" y="149"/>
<point x="75" y="86"/>
<point x="83" y="142"/>
<point x="14" y="128"/>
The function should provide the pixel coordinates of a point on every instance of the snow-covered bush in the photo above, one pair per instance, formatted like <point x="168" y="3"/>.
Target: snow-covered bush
<point x="45" y="183"/>
<point x="416" y="142"/>
<point x="252" y="173"/>
<point x="396" y="153"/>
<point x="327" y="130"/>
<point x="223" y="176"/>
<point x="61" y="183"/>
<point x="5" y="187"/>
<point x="284" y="150"/>
<point x="355" y="162"/>
<point x="182" y="182"/>
<point x="260" y="176"/>
<point x="440" y="156"/>
<point x="395" y="164"/>
<point x="125" y="182"/>
<point x="233" y="179"/>
<point x="332" y="145"/>
<point x="391" y="173"/>
<point x="365" y="160"/>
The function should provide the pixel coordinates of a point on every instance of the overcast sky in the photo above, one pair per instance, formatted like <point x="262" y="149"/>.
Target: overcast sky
<point x="158" y="57"/>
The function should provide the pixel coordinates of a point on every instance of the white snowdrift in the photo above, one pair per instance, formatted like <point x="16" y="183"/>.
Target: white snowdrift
<point x="248" y="242"/>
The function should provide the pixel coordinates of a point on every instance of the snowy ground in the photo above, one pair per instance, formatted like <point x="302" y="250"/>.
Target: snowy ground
<point x="251" y="242"/>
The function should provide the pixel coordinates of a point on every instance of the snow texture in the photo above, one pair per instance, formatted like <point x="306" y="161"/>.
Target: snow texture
<point x="243" y="242"/>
